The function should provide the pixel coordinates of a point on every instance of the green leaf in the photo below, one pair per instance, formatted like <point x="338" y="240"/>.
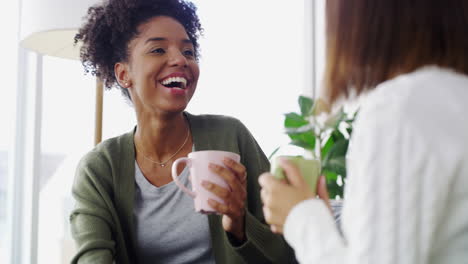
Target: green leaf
<point x="301" y="144"/>
<point x="336" y="165"/>
<point x="349" y="121"/>
<point x="330" y="176"/>
<point x="293" y="120"/>
<point x="338" y="149"/>
<point x="305" y="140"/>
<point x="305" y="103"/>
<point x="329" y="143"/>
<point x="338" y="136"/>
<point x="334" y="189"/>
<point x="334" y="160"/>
<point x="273" y="153"/>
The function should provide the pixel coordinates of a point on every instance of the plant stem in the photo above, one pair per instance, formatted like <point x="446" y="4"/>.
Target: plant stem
<point x="318" y="141"/>
<point x="319" y="149"/>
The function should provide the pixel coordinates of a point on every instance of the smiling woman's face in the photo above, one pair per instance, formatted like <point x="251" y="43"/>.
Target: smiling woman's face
<point x="162" y="71"/>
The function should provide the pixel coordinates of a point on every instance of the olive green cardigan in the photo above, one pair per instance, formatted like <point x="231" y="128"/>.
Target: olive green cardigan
<point x="102" y="220"/>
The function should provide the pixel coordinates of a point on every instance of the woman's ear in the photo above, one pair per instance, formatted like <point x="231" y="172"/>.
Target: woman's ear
<point x="122" y="74"/>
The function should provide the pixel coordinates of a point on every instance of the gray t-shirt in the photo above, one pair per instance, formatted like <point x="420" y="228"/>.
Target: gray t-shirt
<point x="168" y="229"/>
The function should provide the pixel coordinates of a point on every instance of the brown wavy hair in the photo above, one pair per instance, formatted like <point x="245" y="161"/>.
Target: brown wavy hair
<point x="371" y="41"/>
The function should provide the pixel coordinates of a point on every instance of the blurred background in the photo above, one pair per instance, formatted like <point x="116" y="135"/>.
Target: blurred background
<point x="257" y="57"/>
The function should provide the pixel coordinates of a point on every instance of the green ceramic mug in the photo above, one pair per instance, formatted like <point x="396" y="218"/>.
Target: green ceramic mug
<point x="310" y="169"/>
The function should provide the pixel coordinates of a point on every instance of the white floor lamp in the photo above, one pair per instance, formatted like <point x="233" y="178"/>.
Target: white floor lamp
<point x="49" y="26"/>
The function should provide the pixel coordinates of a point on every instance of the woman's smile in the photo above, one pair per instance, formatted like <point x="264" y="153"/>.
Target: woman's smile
<point x="177" y="83"/>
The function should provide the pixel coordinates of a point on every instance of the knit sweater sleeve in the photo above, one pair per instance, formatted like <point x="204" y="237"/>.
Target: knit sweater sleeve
<point x="91" y="220"/>
<point x="262" y="245"/>
<point x="393" y="198"/>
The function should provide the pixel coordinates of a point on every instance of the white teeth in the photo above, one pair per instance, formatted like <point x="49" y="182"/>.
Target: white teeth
<point x="175" y="79"/>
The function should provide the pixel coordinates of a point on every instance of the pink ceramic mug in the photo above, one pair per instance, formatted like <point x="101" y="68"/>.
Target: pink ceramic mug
<point x="198" y="162"/>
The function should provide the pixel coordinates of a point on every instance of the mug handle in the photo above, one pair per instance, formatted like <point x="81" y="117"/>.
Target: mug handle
<point x="175" y="176"/>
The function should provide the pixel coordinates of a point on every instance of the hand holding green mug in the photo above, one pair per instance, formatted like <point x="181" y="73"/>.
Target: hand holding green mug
<point x="310" y="169"/>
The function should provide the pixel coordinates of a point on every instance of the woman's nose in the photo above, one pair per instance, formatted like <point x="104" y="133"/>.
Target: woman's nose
<point x="176" y="58"/>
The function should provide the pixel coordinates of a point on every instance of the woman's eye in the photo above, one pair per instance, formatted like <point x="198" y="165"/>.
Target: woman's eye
<point x="158" y="51"/>
<point x="189" y="53"/>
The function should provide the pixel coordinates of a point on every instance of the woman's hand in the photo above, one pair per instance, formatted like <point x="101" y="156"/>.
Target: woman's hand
<point x="280" y="197"/>
<point x="233" y="209"/>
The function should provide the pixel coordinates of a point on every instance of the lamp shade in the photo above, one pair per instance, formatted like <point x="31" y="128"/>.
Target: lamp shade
<point x="49" y="26"/>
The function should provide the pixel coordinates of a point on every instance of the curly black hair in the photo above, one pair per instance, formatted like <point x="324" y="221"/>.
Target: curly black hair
<point x="110" y="26"/>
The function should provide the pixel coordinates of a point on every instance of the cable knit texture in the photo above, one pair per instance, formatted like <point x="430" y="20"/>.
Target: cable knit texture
<point x="406" y="198"/>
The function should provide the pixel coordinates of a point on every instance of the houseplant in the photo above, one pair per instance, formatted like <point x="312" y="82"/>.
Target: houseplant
<point x="324" y="136"/>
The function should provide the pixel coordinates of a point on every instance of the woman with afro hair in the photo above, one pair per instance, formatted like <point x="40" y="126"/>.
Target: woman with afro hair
<point x="127" y="208"/>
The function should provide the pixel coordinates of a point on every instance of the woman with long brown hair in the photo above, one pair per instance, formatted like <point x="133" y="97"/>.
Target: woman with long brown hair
<point x="406" y="198"/>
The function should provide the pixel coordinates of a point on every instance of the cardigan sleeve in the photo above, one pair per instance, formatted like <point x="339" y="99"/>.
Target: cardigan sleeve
<point x="91" y="220"/>
<point x="393" y="198"/>
<point x="262" y="246"/>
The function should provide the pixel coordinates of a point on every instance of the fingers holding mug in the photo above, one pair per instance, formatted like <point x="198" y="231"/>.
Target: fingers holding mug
<point x="239" y="170"/>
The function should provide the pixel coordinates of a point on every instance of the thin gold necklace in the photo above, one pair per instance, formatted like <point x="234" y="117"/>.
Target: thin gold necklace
<point x="163" y="164"/>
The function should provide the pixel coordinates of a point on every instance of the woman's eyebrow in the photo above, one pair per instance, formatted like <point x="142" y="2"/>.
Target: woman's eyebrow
<point x="155" y="39"/>
<point x="165" y="39"/>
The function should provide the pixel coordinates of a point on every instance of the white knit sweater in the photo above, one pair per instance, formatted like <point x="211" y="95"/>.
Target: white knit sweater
<point x="406" y="198"/>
